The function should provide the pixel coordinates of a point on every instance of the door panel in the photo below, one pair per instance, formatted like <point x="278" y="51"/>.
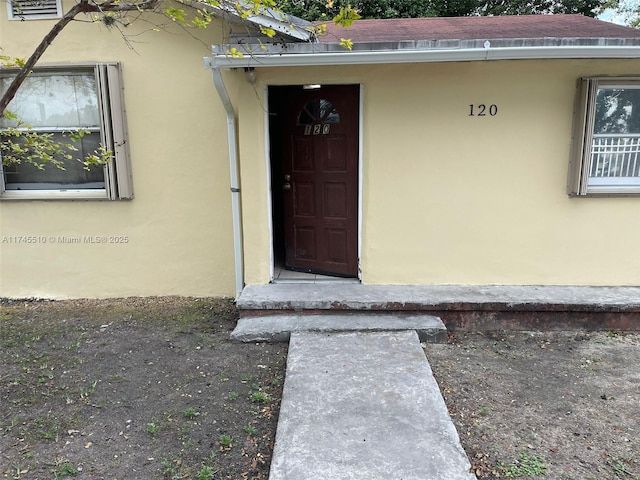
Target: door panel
<point x="305" y="243"/>
<point x="304" y="199"/>
<point x="320" y="171"/>
<point x="335" y="201"/>
<point x="302" y="155"/>
<point x="336" y="158"/>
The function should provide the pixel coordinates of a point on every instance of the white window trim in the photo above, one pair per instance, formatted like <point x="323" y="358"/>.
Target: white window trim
<point x="34" y="16"/>
<point x="118" y="183"/>
<point x="55" y="195"/>
<point x="579" y="183"/>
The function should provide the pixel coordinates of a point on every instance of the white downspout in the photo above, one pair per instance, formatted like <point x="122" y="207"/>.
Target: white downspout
<point x="235" y="181"/>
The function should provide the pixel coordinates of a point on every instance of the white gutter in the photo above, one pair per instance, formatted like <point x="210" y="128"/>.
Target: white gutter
<point x="368" y="57"/>
<point x="234" y="177"/>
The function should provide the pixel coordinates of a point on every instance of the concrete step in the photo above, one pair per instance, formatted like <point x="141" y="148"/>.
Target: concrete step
<point x="363" y="406"/>
<point x="278" y="327"/>
<point x="461" y="307"/>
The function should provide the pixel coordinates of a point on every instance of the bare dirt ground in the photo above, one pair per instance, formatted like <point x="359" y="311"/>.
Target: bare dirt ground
<point x="561" y="405"/>
<point x="134" y="389"/>
<point x="154" y="389"/>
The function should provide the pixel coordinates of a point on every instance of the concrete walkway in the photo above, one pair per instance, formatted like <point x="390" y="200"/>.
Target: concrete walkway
<point x="365" y="406"/>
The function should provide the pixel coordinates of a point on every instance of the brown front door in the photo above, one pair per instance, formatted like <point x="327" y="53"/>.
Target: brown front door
<point x="320" y="180"/>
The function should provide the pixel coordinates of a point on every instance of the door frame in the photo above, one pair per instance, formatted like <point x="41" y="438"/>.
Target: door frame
<point x="268" y="165"/>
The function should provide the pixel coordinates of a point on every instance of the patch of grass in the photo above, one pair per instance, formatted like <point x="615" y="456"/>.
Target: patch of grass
<point x="277" y="380"/>
<point x="64" y="469"/>
<point x="526" y="466"/>
<point x="619" y="467"/>
<point x="233" y="396"/>
<point x="190" y="413"/>
<point x="205" y="473"/>
<point x="226" y="441"/>
<point x="211" y="458"/>
<point x="484" y="410"/>
<point x="152" y="428"/>
<point x="46" y="429"/>
<point x="250" y="430"/>
<point x="260" y="397"/>
<point x="171" y="468"/>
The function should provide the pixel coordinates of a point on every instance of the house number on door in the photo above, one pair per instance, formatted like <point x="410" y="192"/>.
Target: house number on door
<point x="317" y="129"/>
<point x="482" y="110"/>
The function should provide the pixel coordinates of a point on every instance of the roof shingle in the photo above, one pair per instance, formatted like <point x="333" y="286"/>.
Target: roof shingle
<point x="478" y="28"/>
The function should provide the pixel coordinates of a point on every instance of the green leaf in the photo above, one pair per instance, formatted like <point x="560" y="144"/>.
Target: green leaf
<point x="202" y="20"/>
<point x="346" y="16"/>
<point x="9" y="115"/>
<point x="176" y="14"/>
<point x="235" y="53"/>
<point x="346" y="43"/>
<point x="269" y="32"/>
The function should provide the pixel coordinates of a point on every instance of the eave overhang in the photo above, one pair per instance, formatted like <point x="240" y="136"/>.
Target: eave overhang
<point x="286" y="26"/>
<point x="425" y="51"/>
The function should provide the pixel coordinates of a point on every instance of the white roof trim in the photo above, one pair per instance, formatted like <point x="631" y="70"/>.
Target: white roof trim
<point x="308" y="54"/>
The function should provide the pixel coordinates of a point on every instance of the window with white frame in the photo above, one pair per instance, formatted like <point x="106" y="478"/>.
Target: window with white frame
<point x="606" y="152"/>
<point x="59" y="102"/>
<point x="34" y="9"/>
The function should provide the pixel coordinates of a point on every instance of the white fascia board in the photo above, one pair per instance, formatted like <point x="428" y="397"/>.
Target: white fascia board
<point x="568" y="52"/>
<point x="418" y="56"/>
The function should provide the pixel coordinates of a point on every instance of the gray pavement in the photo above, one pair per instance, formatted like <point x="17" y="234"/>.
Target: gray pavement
<point x="363" y="406"/>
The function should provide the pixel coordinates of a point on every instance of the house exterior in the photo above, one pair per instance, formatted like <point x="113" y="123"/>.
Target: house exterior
<point x="465" y="151"/>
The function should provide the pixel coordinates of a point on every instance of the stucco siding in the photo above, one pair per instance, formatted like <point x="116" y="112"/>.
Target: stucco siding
<point x="450" y="198"/>
<point x="447" y="198"/>
<point x="178" y="227"/>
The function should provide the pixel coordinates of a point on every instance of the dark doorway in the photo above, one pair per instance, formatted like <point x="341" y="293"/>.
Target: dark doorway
<point x="314" y="178"/>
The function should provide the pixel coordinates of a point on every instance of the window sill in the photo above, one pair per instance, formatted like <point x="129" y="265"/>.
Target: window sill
<point x="54" y="195"/>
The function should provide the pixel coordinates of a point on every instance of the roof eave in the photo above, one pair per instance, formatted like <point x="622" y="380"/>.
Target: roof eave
<point x="282" y="26"/>
<point x="290" y="26"/>
<point x="288" y="55"/>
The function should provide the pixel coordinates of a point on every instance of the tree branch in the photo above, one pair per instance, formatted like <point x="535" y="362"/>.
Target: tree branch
<point x="83" y="6"/>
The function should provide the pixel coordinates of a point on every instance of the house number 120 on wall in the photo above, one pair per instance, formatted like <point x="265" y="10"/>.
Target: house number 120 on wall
<point x="482" y="110"/>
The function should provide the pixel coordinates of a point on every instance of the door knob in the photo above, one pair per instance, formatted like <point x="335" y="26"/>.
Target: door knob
<point x="286" y="186"/>
<point x="287" y="177"/>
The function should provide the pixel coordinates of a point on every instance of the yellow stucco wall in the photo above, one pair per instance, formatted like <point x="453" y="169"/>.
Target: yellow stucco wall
<point x="446" y="198"/>
<point x="454" y="199"/>
<point x="178" y="225"/>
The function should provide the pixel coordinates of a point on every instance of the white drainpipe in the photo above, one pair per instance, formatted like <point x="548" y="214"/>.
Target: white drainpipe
<point x="235" y="181"/>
